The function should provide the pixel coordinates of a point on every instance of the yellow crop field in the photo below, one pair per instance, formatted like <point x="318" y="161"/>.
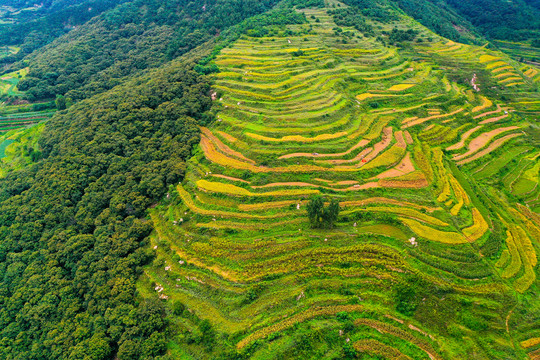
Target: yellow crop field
<point x="485" y="104"/>
<point x="432" y="234"/>
<point x="496" y="64"/>
<point x="298" y="138"/>
<point x="319" y="114"/>
<point x="530" y="342"/>
<point x="188" y="201"/>
<point x="488" y="58"/>
<point x="505" y="74"/>
<point x="404" y="211"/>
<point x="479" y="227"/>
<point x="461" y="195"/>
<point x="401" y="87"/>
<point x="515" y="84"/>
<point x="504" y="68"/>
<point x="234" y="190"/>
<point x="531" y="72"/>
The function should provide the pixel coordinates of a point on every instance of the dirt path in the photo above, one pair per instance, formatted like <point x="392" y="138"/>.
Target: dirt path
<point x="489" y="112"/>
<point x="369" y="185"/>
<point x="487" y="121"/>
<point x="357" y="158"/>
<point x="229" y="178"/>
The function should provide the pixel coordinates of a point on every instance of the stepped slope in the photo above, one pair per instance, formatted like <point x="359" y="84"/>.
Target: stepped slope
<point x="429" y="252"/>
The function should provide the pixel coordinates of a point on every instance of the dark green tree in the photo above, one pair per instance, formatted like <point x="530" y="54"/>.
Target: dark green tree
<point x="321" y="216"/>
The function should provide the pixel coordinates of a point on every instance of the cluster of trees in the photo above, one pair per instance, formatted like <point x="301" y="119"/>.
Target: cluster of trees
<point x="321" y="216"/>
<point x="461" y="19"/>
<point x="351" y="17"/>
<point x="73" y="225"/>
<point x="266" y="24"/>
<point x="302" y="4"/>
<point x="397" y="36"/>
<point x="379" y="10"/>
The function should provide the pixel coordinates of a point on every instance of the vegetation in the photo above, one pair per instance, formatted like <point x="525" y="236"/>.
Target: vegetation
<point x="321" y="216"/>
<point x="260" y="179"/>
<point x="89" y="218"/>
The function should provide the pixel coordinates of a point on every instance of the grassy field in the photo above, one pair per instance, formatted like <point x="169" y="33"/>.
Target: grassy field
<point x="431" y="258"/>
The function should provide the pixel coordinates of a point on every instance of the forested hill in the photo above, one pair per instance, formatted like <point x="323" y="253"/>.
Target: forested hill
<point x="133" y="37"/>
<point x="72" y="225"/>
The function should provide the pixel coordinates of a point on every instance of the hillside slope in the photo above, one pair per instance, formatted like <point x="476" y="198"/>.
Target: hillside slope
<point x="434" y="254"/>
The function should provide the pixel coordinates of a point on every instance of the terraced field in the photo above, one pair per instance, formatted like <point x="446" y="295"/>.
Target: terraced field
<point x="434" y="253"/>
<point x="17" y="116"/>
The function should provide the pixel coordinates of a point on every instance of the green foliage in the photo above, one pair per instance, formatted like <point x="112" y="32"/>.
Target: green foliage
<point x="407" y="294"/>
<point x="33" y="29"/>
<point x="75" y="225"/>
<point x="374" y="9"/>
<point x="321" y="216"/>
<point x="136" y="35"/>
<point x="397" y="36"/>
<point x="178" y="308"/>
<point x="352" y="17"/>
<point x="501" y="19"/>
<point x="302" y="4"/>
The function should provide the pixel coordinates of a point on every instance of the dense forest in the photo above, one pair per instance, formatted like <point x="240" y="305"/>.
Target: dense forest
<point x="45" y="21"/>
<point x="71" y="225"/>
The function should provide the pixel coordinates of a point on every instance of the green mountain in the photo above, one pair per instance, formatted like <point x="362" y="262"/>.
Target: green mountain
<point x="259" y="179"/>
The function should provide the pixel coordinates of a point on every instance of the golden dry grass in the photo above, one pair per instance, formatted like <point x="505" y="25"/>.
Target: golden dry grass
<point x="400" y="87"/>
<point x="429" y="233"/>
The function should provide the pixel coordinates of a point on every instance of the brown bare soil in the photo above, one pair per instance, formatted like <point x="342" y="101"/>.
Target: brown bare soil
<point x="491" y="120"/>
<point x="481" y="141"/>
<point x="464" y="138"/>
<point x="497" y="143"/>
<point x="404" y="167"/>
<point x="400" y="140"/>
<point x="408" y="137"/>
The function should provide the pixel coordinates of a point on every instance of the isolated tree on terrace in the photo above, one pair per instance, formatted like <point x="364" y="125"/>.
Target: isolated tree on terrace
<point x="321" y="216"/>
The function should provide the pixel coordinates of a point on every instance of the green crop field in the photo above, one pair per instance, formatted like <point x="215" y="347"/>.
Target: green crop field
<point x="431" y="257"/>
